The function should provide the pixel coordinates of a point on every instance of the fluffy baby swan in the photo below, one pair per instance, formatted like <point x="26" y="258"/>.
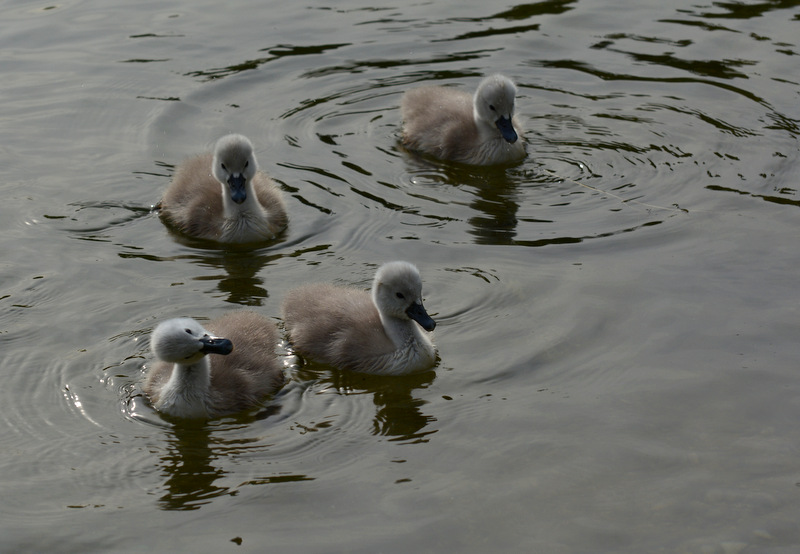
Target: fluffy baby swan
<point x="351" y="329"/>
<point x="223" y="197"/>
<point x="189" y="384"/>
<point x="452" y="125"/>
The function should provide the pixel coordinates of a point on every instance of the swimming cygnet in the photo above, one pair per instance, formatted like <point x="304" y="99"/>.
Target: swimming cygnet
<point x="452" y="125"/>
<point x="223" y="197"/>
<point x="348" y="328"/>
<point x="188" y="383"/>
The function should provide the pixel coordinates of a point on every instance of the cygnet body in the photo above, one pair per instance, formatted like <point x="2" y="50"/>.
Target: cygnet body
<point x="200" y="374"/>
<point x="221" y="196"/>
<point x="452" y="125"/>
<point x="379" y="332"/>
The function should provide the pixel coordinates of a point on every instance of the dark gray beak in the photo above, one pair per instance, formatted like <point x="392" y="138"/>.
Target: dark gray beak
<point x="506" y="129"/>
<point x="417" y="313"/>
<point x="238" y="192"/>
<point x="216" y="345"/>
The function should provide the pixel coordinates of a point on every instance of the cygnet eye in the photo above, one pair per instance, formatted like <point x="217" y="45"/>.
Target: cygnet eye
<point x="491" y="107"/>
<point x="246" y="163"/>
<point x="223" y="167"/>
<point x="188" y="330"/>
<point x="400" y="296"/>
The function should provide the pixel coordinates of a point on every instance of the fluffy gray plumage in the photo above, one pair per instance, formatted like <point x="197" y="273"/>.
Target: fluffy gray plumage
<point x="453" y="125"/>
<point x="189" y="383"/>
<point x="221" y="196"/>
<point x="380" y="333"/>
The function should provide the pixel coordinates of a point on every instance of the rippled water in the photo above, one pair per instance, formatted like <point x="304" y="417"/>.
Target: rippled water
<point x="617" y="316"/>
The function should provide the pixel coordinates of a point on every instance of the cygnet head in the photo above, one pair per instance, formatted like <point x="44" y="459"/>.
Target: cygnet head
<point x="184" y="341"/>
<point x="397" y="292"/>
<point x="234" y="165"/>
<point x="494" y="105"/>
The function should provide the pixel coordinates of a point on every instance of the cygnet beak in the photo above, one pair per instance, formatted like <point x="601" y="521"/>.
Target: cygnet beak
<point x="216" y="345"/>
<point x="236" y="184"/>
<point x="417" y="312"/>
<point x="506" y="129"/>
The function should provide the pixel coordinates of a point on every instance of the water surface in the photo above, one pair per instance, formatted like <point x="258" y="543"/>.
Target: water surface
<point x="617" y="315"/>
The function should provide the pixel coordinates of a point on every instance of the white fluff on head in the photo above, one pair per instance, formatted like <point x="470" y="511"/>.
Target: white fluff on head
<point x="233" y="156"/>
<point x="493" y="101"/>
<point x="178" y="340"/>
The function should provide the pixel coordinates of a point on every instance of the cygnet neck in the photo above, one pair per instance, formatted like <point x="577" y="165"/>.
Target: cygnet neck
<point x="186" y="392"/>
<point x="402" y="332"/>
<point x="246" y="221"/>
<point x="487" y="130"/>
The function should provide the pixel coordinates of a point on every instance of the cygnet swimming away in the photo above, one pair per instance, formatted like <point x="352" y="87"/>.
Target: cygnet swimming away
<point x="221" y="196"/>
<point x="452" y="125"/>
<point x="379" y="332"/>
<point x="200" y="374"/>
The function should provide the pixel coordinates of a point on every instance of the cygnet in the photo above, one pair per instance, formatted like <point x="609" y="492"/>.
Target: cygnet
<point x="452" y="125"/>
<point x="221" y="196"/>
<point x="383" y="332"/>
<point x="200" y="374"/>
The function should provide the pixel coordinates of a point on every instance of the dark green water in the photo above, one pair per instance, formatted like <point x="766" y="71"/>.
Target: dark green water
<point x="617" y="316"/>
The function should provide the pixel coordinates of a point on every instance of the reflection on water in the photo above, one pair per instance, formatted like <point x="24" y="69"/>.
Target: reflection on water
<point x="400" y="416"/>
<point x="239" y="268"/>
<point x="399" y="413"/>
<point x="239" y="281"/>
<point x="495" y="199"/>
<point x="189" y="471"/>
<point x="619" y="289"/>
<point x="196" y="453"/>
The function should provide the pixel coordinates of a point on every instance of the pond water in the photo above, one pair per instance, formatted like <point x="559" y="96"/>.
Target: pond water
<point x="617" y="315"/>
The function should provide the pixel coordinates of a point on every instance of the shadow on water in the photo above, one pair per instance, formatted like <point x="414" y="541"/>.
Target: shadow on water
<point x="238" y="265"/>
<point x="189" y="471"/>
<point x="241" y="265"/>
<point x="398" y="414"/>
<point x="496" y="201"/>
<point x="238" y="271"/>
<point x="188" y="466"/>
<point x="495" y="190"/>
